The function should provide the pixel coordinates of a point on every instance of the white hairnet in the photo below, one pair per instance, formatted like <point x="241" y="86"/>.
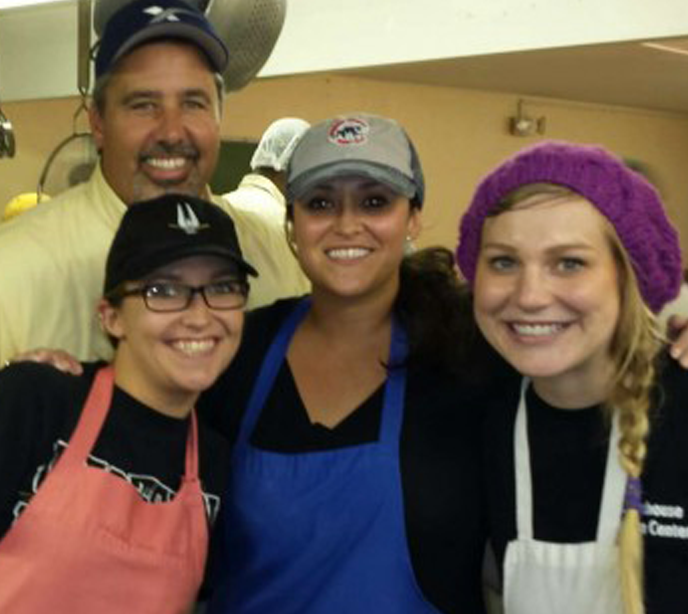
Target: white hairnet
<point x="278" y="142"/>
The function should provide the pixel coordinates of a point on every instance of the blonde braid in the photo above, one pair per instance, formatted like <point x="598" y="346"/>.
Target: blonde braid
<point x="632" y="405"/>
<point x="635" y="347"/>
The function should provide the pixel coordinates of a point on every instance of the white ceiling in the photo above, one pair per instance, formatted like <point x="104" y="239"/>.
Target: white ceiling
<point x="629" y="74"/>
<point x="402" y="39"/>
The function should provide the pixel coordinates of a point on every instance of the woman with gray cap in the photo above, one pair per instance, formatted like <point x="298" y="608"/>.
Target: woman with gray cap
<point x="355" y="474"/>
<point x="570" y="255"/>
<point x="108" y="485"/>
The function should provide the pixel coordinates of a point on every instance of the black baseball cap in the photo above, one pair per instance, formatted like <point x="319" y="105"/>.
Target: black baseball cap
<point x="142" y="21"/>
<point x="156" y="232"/>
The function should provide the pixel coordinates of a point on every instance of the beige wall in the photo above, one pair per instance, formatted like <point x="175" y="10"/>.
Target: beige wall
<point x="460" y="135"/>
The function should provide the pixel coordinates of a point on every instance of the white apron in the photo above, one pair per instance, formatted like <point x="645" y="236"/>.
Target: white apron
<point x="552" y="578"/>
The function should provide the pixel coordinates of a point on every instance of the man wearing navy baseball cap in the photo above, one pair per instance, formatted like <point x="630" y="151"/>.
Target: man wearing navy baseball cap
<point x="155" y="118"/>
<point x="143" y="21"/>
<point x="157" y="76"/>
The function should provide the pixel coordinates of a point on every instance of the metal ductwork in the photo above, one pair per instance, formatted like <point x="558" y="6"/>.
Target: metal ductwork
<point x="250" y="29"/>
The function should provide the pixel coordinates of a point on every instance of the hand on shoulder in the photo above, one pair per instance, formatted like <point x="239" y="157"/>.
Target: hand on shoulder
<point x="61" y="360"/>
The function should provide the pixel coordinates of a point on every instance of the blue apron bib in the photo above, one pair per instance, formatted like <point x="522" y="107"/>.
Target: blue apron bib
<point x="319" y="532"/>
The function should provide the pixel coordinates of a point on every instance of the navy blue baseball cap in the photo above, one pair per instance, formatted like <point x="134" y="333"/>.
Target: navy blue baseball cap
<point x="143" y="21"/>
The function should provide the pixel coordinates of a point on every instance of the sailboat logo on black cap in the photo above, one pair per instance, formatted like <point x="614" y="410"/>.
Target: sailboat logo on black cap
<point x="187" y="220"/>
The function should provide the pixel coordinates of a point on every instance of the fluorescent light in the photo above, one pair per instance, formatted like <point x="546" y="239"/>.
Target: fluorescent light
<point x="12" y="4"/>
<point x="680" y="46"/>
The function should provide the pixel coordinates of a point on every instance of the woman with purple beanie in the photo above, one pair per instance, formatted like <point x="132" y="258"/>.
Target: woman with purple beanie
<point x="570" y="255"/>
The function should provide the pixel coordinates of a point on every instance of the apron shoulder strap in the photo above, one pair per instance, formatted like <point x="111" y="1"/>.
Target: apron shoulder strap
<point x="92" y="417"/>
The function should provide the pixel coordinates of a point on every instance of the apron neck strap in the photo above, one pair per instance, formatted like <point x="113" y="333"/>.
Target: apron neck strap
<point x="614" y="484"/>
<point x="395" y="389"/>
<point x="92" y="417"/>
<point x="191" y="470"/>
<point x="270" y="368"/>
<point x="395" y="386"/>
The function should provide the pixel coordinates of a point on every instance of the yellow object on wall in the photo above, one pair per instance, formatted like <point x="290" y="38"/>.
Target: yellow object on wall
<point x="22" y="202"/>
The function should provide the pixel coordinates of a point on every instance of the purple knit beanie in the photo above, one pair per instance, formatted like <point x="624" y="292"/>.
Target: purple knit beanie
<point x="622" y="195"/>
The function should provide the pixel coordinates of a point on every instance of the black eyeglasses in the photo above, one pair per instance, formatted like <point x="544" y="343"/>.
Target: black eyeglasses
<point x="166" y="296"/>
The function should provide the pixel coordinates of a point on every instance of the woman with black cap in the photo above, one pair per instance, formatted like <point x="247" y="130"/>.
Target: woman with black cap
<point x="108" y="485"/>
<point x="355" y="475"/>
<point x="570" y="255"/>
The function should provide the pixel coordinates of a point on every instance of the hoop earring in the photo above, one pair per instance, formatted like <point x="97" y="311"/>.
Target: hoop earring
<point x="289" y="236"/>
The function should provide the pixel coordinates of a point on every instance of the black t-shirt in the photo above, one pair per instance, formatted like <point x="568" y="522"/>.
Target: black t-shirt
<point x="568" y="451"/>
<point x="39" y="409"/>
<point x="440" y="456"/>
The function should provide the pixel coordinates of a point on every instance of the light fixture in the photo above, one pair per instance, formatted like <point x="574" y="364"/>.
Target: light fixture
<point x="7" y="144"/>
<point x="524" y="125"/>
<point x="13" y="4"/>
<point x="679" y="46"/>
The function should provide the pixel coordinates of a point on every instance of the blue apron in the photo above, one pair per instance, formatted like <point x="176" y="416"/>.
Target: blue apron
<point x="318" y="532"/>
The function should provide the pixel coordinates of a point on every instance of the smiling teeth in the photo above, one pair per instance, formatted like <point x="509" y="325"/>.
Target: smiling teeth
<point x="195" y="347"/>
<point x="167" y="164"/>
<point x="348" y="253"/>
<point x="537" y="330"/>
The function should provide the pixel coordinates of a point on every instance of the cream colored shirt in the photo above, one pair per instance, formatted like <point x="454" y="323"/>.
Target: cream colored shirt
<point x="52" y="263"/>
<point x="258" y="194"/>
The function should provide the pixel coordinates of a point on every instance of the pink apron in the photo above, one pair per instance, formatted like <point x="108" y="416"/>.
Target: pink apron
<point x="87" y="542"/>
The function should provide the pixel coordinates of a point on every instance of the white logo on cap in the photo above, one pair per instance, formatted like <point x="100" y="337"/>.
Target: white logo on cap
<point x="349" y="131"/>
<point x="187" y="220"/>
<point x="161" y="14"/>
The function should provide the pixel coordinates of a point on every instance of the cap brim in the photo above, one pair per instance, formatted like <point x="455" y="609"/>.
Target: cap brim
<point x="149" y="263"/>
<point x="386" y="175"/>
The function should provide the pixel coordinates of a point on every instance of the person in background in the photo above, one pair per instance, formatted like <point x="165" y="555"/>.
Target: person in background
<point x="109" y="486"/>
<point x="356" y="468"/>
<point x="667" y="316"/>
<point x="155" y="117"/>
<point x="570" y="255"/>
<point x="264" y="187"/>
